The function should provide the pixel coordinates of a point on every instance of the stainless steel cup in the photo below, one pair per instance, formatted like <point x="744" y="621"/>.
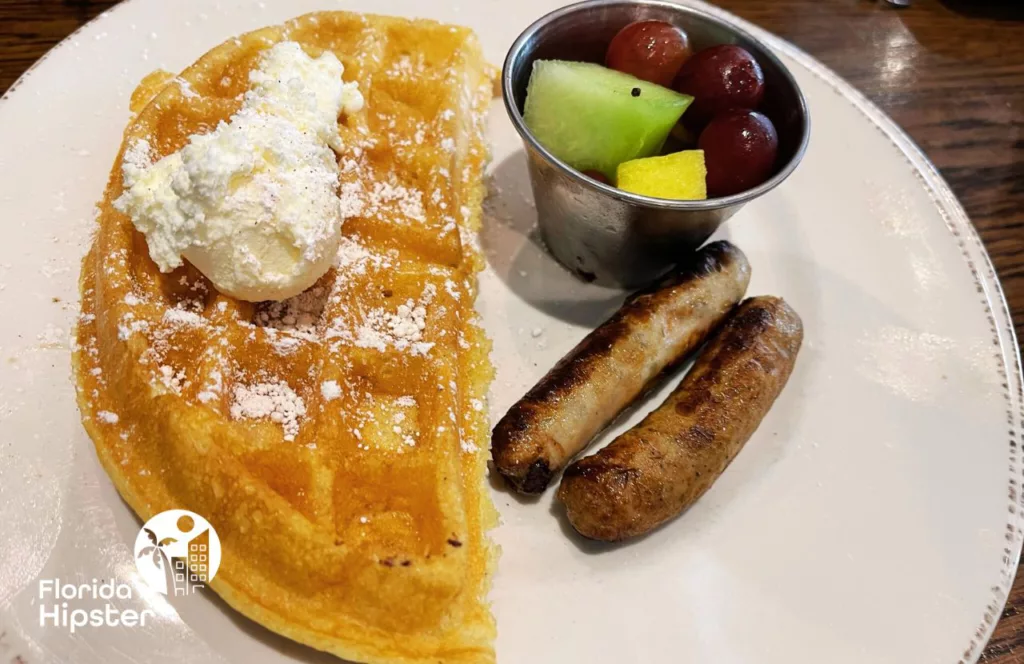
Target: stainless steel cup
<point x="602" y="233"/>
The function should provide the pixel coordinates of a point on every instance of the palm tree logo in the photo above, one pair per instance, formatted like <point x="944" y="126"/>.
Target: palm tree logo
<point x="175" y="548"/>
<point x="155" y="550"/>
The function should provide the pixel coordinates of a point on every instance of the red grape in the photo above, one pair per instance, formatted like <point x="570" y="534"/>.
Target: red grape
<point x="719" y="78"/>
<point x="597" y="175"/>
<point x="739" y="151"/>
<point x="650" y="50"/>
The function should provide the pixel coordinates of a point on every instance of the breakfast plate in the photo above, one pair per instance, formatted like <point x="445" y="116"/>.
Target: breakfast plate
<point x="874" y="516"/>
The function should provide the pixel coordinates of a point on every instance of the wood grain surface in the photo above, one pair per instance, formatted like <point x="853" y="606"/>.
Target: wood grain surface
<point x="950" y="72"/>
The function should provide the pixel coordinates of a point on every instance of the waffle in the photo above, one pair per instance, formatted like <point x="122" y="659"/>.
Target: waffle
<point x="337" y="440"/>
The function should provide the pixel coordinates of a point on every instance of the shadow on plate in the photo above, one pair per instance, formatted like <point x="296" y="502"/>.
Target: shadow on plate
<point x="653" y="397"/>
<point x="596" y="547"/>
<point x="501" y="486"/>
<point x="515" y="251"/>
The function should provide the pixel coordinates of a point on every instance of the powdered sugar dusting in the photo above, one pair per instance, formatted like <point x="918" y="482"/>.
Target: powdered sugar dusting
<point x="408" y="201"/>
<point x="212" y="390"/>
<point x="353" y="256"/>
<point x="138" y="157"/>
<point x="274" y="400"/>
<point x="330" y="390"/>
<point x="386" y="200"/>
<point x="182" y="317"/>
<point x="129" y="326"/>
<point x="107" y="417"/>
<point x="402" y="329"/>
<point x="285" y="344"/>
<point x="171" y="379"/>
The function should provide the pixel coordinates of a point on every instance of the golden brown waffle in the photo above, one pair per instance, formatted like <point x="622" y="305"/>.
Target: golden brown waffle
<point x="339" y="452"/>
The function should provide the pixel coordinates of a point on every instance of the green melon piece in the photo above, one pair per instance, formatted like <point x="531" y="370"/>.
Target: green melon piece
<point x="595" y="118"/>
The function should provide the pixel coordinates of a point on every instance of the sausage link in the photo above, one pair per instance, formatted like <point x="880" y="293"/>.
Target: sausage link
<point x="613" y="365"/>
<point x="657" y="469"/>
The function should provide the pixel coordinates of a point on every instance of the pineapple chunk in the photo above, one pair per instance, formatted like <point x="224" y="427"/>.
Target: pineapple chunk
<point x="680" y="176"/>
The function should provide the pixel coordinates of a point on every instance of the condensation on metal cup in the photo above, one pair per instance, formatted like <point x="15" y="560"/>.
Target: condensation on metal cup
<point x="607" y="235"/>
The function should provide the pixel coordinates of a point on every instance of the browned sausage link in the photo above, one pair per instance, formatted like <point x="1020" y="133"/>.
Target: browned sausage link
<point x="614" y="364"/>
<point x="660" y="467"/>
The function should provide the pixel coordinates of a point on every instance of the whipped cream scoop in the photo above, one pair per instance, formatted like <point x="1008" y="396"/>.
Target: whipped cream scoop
<point x="254" y="204"/>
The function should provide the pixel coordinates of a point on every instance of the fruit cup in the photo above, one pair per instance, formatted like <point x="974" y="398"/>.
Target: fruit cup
<point x="611" y="236"/>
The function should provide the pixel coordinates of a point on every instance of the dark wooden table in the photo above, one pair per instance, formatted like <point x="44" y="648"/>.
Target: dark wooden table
<point x="951" y="73"/>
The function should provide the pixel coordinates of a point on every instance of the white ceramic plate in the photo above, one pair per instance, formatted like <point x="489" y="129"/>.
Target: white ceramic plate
<point x="874" y="517"/>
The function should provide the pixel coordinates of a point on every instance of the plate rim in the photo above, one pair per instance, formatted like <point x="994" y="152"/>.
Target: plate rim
<point x="958" y="224"/>
<point x="989" y="287"/>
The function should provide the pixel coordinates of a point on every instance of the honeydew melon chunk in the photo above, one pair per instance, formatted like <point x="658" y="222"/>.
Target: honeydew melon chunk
<point x="595" y="118"/>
